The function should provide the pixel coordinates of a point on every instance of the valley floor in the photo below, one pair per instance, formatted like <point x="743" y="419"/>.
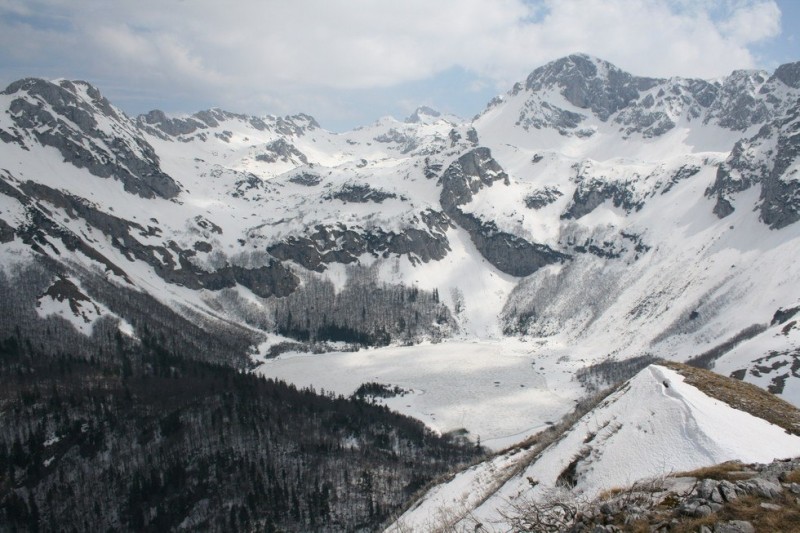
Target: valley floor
<point x="500" y="391"/>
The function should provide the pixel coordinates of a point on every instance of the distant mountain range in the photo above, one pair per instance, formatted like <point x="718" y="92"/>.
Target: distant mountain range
<point x="608" y="219"/>
<point x="620" y="214"/>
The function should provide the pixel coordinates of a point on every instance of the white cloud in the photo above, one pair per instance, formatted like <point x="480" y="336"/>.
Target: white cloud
<point x="269" y="50"/>
<point x="753" y="23"/>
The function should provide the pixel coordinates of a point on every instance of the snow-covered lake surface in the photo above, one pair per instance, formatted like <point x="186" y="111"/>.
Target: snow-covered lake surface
<point x="499" y="391"/>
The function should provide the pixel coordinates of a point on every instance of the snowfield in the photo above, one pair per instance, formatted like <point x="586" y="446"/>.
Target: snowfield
<point x="498" y="391"/>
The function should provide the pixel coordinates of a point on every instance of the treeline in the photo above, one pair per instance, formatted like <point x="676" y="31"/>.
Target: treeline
<point x="172" y="443"/>
<point x="365" y="312"/>
<point x="706" y="359"/>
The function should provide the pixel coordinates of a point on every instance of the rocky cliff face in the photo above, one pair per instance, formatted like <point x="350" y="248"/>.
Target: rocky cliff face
<point x="88" y="132"/>
<point x="340" y="244"/>
<point x="591" y="84"/>
<point x="769" y="158"/>
<point x="647" y="107"/>
<point x="511" y="254"/>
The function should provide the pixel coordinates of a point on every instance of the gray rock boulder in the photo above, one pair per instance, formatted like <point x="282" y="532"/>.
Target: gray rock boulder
<point x="734" y="526"/>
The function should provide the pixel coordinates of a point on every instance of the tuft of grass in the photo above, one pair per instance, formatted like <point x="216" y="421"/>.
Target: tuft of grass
<point x="787" y="518"/>
<point x="731" y="470"/>
<point x="792" y="477"/>
<point x="743" y="396"/>
<point x="692" y="525"/>
<point x="609" y="494"/>
<point x="639" y="526"/>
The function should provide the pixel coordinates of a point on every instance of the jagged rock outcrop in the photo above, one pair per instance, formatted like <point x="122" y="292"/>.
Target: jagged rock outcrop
<point x="769" y="158"/>
<point x="728" y="498"/>
<point x="345" y="244"/>
<point x="200" y="124"/>
<point x="282" y="150"/>
<point x="6" y="232"/>
<point x="421" y="114"/>
<point x="788" y="74"/>
<point x="361" y="194"/>
<point x="542" y="197"/>
<point x="644" y="106"/>
<point x="306" y="178"/>
<point x="509" y="253"/>
<point x="405" y="142"/>
<point x="590" y="84"/>
<point x="68" y="116"/>
<point x="593" y="192"/>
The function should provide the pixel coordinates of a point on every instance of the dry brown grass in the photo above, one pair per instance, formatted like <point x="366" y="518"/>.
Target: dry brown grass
<point x="639" y="526"/>
<point x="742" y="396"/>
<point x="787" y="518"/>
<point x="792" y="477"/>
<point x="732" y="470"/>
<point x="692" y="525"/>
<point x="610" y="493"/>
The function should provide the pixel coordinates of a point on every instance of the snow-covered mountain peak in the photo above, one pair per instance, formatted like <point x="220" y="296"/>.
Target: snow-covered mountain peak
<point x="55" y="92"/>
<point x="75" y="119"/>
<point x="585" y="107"/>
<point x="595" y="215"/>
<point x="423" y="114"/>
<point x="585" y="231"/>
<point x="589" y="83"/>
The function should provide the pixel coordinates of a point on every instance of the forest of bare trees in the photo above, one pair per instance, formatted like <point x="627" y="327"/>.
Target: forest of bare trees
<point x="163" y="429"/>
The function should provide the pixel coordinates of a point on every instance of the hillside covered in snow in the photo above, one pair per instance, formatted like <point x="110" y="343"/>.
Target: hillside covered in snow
<point x="481" y="275"/>
<point x="587" y="206"/>
<point x="663" y="421"/>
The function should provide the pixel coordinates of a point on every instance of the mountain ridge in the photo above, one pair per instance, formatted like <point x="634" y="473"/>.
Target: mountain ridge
<point x="498" y="270"/>
<point x="562" y="201"/>
<point x="648" y="428"/>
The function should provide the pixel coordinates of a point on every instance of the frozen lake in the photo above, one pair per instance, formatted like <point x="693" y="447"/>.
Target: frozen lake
<point x="499" y="391"/>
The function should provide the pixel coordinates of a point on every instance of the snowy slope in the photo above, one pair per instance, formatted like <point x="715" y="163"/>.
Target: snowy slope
<point x="770" y="359"/>
<point x="654" y="425"/>
<point x="594" y="213"/>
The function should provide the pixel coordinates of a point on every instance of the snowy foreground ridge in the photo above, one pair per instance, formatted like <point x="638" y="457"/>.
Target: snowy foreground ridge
<point x="654" y="425"/>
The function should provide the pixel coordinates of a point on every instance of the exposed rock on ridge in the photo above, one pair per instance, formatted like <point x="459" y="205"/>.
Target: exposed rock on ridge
<point x="771" y="159"/>
<point x="589" y="83"/>
<point x="73" y="124"/>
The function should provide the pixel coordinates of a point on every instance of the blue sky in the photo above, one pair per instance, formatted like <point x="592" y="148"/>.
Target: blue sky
<point x="349" y="62"/>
